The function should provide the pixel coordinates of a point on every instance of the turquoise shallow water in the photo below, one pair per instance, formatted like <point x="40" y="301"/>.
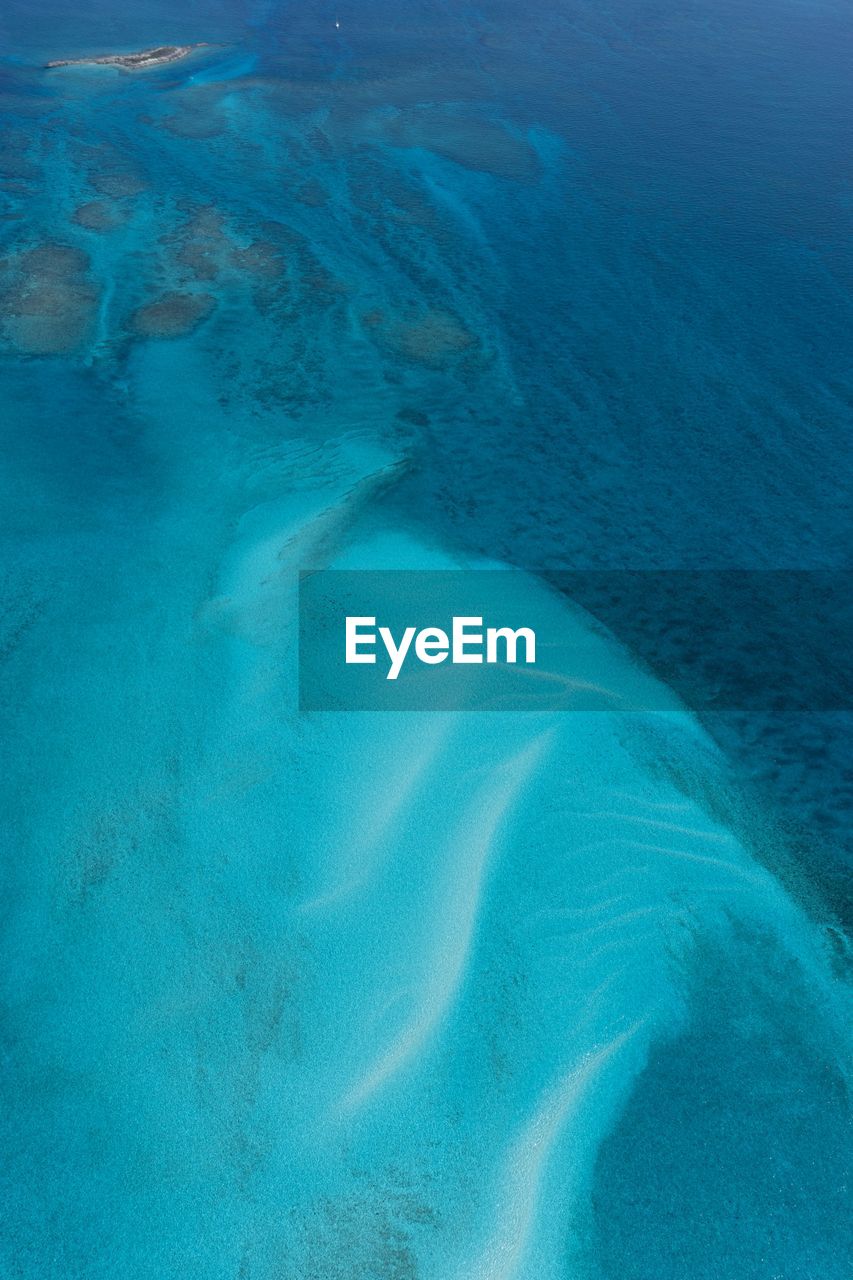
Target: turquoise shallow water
<point x="416" y="995"/>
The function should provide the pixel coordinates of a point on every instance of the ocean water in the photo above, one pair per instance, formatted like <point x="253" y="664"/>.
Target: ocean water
<point x="427" y="996"/>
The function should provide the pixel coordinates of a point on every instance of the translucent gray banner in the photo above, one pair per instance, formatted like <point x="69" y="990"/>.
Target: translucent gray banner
<point x="505" y="640"/>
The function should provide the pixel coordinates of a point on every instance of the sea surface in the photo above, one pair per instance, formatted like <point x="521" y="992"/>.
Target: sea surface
<point x="564" y="288"/>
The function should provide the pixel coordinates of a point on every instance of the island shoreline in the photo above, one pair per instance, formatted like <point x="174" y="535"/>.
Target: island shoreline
<point x="157" y="56"/>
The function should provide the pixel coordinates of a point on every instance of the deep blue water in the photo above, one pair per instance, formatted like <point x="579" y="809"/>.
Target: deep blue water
<point x="419" y="996"/>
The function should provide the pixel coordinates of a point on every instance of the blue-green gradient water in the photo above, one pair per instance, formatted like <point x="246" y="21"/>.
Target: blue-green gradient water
<point x="415" y="996"/>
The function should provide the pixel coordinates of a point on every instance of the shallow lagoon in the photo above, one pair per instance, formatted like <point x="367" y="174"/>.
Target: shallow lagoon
<point x="269" y="1007"/>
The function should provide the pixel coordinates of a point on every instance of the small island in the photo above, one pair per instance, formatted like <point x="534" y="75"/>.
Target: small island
<point x="133" y="61"/>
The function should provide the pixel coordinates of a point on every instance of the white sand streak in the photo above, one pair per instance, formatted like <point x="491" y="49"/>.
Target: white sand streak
<point x="505" y="1252"/>
<point x="446" y="962"/>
